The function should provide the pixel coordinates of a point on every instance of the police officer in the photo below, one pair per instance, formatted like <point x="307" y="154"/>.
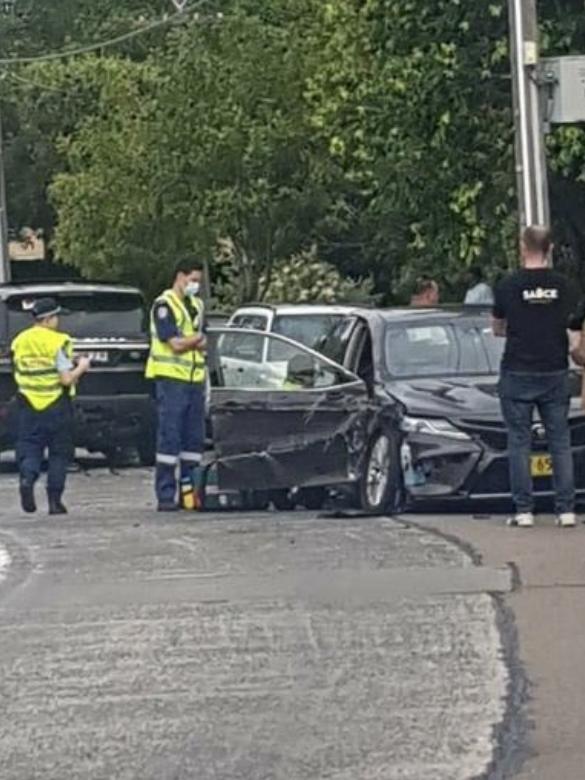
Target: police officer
<point x="45" y="376"/>
<point x="177" y="363"/>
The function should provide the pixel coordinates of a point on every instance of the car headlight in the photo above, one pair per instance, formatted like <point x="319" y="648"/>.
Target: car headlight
<point x="433" y="427"/>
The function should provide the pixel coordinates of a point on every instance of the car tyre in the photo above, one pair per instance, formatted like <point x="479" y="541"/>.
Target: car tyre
<point x="312" y="498"/>
<point x="380" y="485"/>
<point x="255" y="500"/>
<point x="282" y="500"/>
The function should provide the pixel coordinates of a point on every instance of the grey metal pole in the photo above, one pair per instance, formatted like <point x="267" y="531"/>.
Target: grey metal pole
<point x="4" y="254"/>
<point x="532" y="182"/>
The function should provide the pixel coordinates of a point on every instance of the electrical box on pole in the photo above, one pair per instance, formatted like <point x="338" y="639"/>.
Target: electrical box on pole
<point x="564" y="78"/>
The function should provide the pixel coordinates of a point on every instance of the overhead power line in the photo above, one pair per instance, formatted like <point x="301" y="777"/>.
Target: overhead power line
<point x="91" y="47"/>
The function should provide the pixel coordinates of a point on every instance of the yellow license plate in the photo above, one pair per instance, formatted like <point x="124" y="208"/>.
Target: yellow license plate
<point x="541" y="466"/>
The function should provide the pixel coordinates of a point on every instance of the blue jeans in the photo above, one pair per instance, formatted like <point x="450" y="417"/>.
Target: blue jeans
<point x="52" y="430"/>
<point x="180" y="435"/>
<point x="520" y="395"/>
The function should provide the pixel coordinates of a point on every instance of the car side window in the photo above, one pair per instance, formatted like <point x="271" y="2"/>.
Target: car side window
<point x="296" y="370"/>
<point x="242" y="347"/>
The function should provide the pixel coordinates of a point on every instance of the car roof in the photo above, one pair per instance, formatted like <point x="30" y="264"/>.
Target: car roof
<point x="431" y="313"/>
<point x="56" y="288"/>
<point x="393" y="314"/>
<point x="294" y="309"/>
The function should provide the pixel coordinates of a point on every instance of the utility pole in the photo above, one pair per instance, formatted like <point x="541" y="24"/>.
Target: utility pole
<point x="532" y="181"/>
<point x="7" y="8"/>
<point x="4" y="254"/>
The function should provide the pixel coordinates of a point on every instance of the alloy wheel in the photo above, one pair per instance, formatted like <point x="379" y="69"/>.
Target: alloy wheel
<point x="378" y="472"/>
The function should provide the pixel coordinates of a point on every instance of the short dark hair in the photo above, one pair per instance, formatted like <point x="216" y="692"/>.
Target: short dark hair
<point x="187" y="264"/>
<point x="537" y="239"/>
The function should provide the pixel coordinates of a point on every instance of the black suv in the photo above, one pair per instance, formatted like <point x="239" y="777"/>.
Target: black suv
<point x="114" y="409"/>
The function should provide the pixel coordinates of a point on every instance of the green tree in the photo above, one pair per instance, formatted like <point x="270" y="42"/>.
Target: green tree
<point x="413" y="101"/>
<point x="42" y="103"/>
<point x="380" y="130"/>
<point x="214" y="144"/>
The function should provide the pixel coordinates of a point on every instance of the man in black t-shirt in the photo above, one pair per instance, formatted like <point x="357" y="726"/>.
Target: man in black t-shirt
<point x="531" y="310"/>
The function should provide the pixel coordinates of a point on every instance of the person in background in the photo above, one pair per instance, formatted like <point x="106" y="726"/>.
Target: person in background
<point x="479" y="292"/>
<point x="531" y="311"/>
<point x="177" y="363"/>
<point x="577" y="342"/>
<point x="426" y="293"/>
<point x="45" y="377"/>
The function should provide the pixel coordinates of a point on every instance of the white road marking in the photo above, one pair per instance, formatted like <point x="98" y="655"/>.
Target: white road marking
<point x="4" y="562"/>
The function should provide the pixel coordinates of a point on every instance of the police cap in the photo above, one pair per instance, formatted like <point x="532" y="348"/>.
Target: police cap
<point x="45" y="307"/>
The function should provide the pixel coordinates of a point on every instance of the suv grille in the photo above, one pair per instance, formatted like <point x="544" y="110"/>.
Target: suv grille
<point x="111" y="383"/>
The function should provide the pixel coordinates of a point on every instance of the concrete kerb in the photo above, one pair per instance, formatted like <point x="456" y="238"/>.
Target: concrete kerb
<point x="510" y="735"/>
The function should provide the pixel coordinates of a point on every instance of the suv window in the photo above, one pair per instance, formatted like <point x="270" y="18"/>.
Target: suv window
<point x="91" y="314"/>
<point x="311" y="330"/>
<point x="251" y="321"/>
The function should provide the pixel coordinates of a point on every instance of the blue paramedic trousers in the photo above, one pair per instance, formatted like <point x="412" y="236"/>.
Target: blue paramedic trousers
<point x="52" y="430"/>
<point x="180" y="436"/>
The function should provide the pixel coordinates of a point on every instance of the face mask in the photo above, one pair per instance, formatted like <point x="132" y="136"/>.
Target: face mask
<point x="192" y="288"/>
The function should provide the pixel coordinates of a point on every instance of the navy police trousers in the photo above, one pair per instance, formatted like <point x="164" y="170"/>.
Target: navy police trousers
<point x="180" y="437"/>
<point x="52" y="430"/>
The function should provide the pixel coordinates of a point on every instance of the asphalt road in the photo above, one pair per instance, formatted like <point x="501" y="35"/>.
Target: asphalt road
<point x="257" y="647"/>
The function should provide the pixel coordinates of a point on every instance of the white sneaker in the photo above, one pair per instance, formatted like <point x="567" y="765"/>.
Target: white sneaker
<point x="522" y="520"/>
<point x="567" y="520"/>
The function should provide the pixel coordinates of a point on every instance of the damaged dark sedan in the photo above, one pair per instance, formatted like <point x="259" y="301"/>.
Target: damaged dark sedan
<point x="390" y="406"/>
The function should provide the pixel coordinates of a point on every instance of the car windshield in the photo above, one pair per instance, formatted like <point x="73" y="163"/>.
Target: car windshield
<point x="90" y="315"/>
<point x="311" y="330"/>
<point x="442" y="349"/>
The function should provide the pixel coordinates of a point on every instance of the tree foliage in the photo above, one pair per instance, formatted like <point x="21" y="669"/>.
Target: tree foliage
<point x="212" y="144"/>
<point x="379" y="131"/>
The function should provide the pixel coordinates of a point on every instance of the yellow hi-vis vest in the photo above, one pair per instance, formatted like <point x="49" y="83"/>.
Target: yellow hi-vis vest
<point x="163" y="363"/>
<point x="34" y="355"/>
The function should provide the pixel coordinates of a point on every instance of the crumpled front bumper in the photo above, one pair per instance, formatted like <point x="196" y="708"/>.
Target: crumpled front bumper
<point x="436" y="467"/>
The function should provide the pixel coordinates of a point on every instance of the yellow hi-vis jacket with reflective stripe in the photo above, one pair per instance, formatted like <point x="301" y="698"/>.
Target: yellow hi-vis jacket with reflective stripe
<point x="34" y="354"/>
<point x="163" y="363"/>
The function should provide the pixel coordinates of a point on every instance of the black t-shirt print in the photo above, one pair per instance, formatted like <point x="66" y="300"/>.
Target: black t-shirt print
<point x="536" y="305"/>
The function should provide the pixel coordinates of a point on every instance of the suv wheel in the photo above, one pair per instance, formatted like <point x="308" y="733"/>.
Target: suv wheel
<point x="282" y="500"/>
<point x="380" y="483"/>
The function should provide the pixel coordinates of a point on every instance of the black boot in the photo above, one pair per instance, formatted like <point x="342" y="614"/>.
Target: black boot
<point x="56" y="506"/>
<point x="27" y="499"/>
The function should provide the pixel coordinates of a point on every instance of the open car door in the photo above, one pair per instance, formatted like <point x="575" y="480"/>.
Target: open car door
<point x="282" y="415"/>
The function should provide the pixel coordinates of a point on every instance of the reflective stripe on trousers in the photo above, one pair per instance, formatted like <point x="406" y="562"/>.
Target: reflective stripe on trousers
<point x="181" y="434"/>
<point x="167" y="460"/>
